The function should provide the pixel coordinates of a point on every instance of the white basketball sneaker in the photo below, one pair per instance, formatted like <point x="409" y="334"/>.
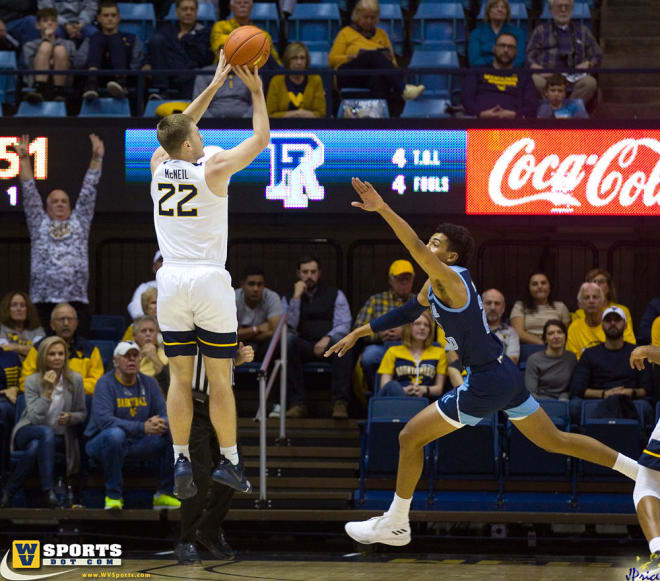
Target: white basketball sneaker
<point x="379" y="529"/>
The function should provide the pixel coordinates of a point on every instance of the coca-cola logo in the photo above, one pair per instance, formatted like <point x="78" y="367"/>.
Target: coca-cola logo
<point x="624" y="179"/>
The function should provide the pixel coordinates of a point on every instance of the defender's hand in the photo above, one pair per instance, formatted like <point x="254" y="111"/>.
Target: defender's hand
<point x="371" y="200"/>
<point x="342" y="346"/>
<point x="637" y="357"/>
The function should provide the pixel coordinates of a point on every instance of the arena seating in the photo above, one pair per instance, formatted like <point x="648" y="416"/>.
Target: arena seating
<point x="8" y="81"/>
<point x="138" y="19"/>
<point x="205" y="13"/>
<point x="316" y="25"/>
<point x="43" y="109"/>
<point x="105" y="107"/>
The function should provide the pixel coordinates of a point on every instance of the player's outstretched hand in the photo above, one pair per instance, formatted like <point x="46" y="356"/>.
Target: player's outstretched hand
<point x="251" y="78"/>
<point x="21" y="148"/>
<point x="637" y="357"/>
<point x="371" y="200"/>
<point x="221" y="71"/>
<point x="98" y="149"/>
<point x="342" y="346"/>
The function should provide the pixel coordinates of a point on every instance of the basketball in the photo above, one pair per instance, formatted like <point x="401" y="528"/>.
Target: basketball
<point x="247" y="45"/>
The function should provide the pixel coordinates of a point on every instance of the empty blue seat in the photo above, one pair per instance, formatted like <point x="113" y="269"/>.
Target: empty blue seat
<point x="314" y="24"/>
<point x="44" y="109"/>
<point x="205" y="13"/>
<point x="105" y="107"/>
<point x="8" y="81"/>
<point x="391" y="21"/>
<point x="138" y="19"/>
<point x="106" y="349"/>
<point x="108" y="327"/>
<point x="264" y="15"/>
<point x="380" y="441"/>
<point x="426" y="108"/>
<point x="624" y="435"/>
<point x="471" y="452"/>
<point x="437" y="84"/>
<point x="526" y="460"/>
<point x="439" y="22"/>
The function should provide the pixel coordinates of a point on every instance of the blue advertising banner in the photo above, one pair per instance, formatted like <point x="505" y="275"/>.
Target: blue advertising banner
<point x="311" y="169"/>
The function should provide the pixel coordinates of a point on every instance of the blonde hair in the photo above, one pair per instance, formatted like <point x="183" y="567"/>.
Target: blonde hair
<point x="42" y="356"/>
<point x="147" y="296"/>
<point x="290" y="49"/>
<point x="365" y="5"/>
<point x="173" y="130"/>
<point x="491" y="3"/>
<point x="406" y="332"/>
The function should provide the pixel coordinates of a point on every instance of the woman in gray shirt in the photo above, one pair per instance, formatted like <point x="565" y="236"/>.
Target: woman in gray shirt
<point x="548" y="372"/>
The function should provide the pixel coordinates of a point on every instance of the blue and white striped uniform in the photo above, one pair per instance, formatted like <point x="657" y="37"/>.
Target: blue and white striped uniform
<point x="493" y="382"/>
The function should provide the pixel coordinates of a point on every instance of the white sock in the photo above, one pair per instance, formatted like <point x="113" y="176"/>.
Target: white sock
<point x="181" y="450"/>
<point x="231" y="453"/>
<point x="627" y="466"/>
<point x="654" y="545"/>
<point x="399" y="510"/>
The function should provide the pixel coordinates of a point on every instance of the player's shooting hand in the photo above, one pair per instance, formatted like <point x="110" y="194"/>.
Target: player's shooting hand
<point x="371" y="200"/>
<point x="342" y="346"/>
<point x="21" y="148"/>
<point x="244" y="354"/>
<point x="222" y="71"/>
<point x="637" y="357"/>
<point x="250" y="78"/>
<point x="98" y="149"/>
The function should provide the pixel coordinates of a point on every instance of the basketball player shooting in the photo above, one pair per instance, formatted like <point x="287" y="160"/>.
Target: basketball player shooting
<point x="196" y="304"/>
<point x="493" y="381"/>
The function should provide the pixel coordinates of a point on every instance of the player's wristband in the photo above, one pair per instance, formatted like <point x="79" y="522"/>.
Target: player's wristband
<point x="396" y="317"/>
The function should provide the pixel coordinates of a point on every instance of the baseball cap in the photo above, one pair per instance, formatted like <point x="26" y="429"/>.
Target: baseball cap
<point x="124" y="347"/>
<point x="401" y="267"/>
<point x="613" y="309"/>
<point x="157" y="256"/>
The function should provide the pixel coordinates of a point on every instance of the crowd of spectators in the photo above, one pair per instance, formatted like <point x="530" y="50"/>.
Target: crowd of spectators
<point x="66" y="35"/>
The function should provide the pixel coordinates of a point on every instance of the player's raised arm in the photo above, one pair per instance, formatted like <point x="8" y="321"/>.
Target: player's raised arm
<point x="453" y="288"/>
<point x="226" y="163"/>
<point x="199" y="106"/>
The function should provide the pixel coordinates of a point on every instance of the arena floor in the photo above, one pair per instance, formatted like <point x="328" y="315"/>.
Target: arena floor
<point x="297" y="567"/>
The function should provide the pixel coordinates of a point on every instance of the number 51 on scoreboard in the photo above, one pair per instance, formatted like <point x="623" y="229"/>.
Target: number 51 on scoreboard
<point x="10" y="163"/>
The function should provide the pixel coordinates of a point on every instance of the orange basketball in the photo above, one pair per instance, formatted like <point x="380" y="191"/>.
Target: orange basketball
<point x="247" y="45"/>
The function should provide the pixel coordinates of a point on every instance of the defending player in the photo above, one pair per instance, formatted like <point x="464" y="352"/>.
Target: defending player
<point x="196" y="304"/>
<point x="646" y="494"/>
<point x="493" y="381"/>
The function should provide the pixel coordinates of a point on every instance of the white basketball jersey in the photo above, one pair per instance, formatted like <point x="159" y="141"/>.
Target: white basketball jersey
<point x="190" y="220"/>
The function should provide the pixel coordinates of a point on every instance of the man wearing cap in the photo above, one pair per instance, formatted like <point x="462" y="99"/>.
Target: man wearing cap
<point x="135" y="306"/>
<point x="588" y="332"/>
<point x="604" y="370"/>
<point x="128" y="419"/>
<point x="400" y="279"/>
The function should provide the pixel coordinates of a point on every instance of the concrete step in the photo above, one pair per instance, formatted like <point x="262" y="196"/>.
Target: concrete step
<point x="629" y="80"/>
<point x="615" y="26"/>
<point x="627" y="111"/>
<point x="622" y="59"/>
<point x="645" y="95"/>
<point x="632" y="44"/>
